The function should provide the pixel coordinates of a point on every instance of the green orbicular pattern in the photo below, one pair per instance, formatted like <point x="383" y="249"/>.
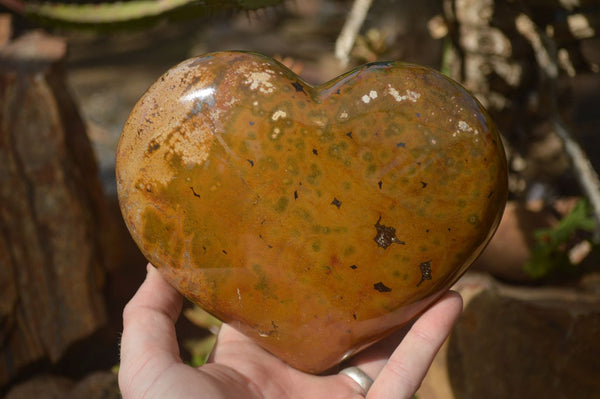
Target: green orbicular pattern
<point x="316" y="220"/>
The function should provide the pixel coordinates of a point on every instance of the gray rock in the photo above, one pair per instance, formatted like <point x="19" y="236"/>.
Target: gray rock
<point x="98" y="385"/>
<point x="41" y="387"/>
<point x="525" y="342"/>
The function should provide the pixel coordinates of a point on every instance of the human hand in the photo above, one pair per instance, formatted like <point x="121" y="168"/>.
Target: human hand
<point x="239" y="368"/>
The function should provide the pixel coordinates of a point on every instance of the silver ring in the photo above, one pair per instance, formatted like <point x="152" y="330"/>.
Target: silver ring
<point x="359" y="376"/>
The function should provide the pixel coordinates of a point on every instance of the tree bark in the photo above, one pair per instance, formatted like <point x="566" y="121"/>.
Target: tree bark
<point x="512" y="56"/>
<point x="55" y="228"/>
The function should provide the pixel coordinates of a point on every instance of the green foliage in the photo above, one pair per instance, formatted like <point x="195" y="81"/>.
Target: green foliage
<point x="200" y="349"/>
<point x="447" y="51"/>
<point x="203" y="319"/>
<point x="133" y="14"/>
<point x="550" y="252"/>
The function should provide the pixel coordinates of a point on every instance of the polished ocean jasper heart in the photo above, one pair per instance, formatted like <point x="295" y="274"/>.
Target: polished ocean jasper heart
<point x="315" y="220"/>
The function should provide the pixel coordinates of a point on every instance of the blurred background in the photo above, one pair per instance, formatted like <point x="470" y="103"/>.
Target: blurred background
<point x="70" y="72"/>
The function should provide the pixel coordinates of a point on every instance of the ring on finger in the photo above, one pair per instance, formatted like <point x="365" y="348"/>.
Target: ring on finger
<point x="359" y="376"/>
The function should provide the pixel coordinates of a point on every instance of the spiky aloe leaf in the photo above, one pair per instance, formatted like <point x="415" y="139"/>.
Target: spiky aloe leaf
<point x="133" y="14"/>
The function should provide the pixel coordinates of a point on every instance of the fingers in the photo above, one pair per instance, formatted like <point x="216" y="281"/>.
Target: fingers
<point x="149" y="344"/>
<point x="405" y="369"/>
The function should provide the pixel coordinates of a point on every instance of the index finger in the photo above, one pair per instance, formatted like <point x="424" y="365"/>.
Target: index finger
<point x="405" y="369"/>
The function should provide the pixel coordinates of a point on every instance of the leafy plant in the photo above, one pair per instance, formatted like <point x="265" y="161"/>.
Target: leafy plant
<point x="550" y="253"/>
<point x="110" y="15"/>
<point x="201" y="348"/>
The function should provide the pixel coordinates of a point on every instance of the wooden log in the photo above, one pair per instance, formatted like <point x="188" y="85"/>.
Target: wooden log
<point x="55" y="228"/>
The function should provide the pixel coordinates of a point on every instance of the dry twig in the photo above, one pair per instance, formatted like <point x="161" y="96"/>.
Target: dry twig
<point x="547" y="58"/>
<point x="354" y="22"/>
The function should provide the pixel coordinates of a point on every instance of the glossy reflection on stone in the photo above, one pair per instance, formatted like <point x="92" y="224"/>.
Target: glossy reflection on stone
<point x="316" y="220"/>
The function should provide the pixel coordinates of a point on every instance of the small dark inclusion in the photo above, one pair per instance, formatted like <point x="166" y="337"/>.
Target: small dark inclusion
<point x="153" y="146"/>
<point x="425" y="271"/>
<point x="386" y="235"/>
<point x="298" y="87"/>
<point x="336" y="202"/>
<point x="194" y="192"/>
<point x="381" y="287"/>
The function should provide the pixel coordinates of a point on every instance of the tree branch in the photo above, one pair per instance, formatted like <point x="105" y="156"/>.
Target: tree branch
<point x="546" y="55"/>
<point x="354" y="22"/>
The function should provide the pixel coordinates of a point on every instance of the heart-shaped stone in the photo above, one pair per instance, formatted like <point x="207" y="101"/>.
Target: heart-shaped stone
<point x="315" y="220"/>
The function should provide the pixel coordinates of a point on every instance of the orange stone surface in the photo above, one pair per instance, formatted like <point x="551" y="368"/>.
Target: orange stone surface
<point x="315" y="220"/>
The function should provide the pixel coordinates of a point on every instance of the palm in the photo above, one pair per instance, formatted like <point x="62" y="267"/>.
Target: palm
<point x="238" y="368"/>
